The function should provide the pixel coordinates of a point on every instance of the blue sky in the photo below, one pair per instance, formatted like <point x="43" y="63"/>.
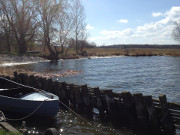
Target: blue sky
<point x="131" y="21"/>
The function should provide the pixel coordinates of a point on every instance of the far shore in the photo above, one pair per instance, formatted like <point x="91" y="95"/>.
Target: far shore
<point x="91" y="53"/>
<point x="8" y="61"/>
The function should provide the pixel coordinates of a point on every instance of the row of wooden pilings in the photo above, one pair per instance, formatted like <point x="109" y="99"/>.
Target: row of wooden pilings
<point x="134" y="111"/>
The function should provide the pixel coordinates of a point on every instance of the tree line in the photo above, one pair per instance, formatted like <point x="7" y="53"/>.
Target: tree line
<point x="54" y="24"/>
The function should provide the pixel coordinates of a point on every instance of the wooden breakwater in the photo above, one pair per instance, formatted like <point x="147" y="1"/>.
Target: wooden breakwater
<point x="124" y="109"/>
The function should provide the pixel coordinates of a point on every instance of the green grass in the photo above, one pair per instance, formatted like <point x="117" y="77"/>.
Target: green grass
<point x="11" y="53"/>
<point x="3" y="132"/>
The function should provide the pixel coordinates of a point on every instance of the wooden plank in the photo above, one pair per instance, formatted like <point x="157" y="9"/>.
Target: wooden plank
<point x="174" y="111"/>
<point x="174" y="106"/>
<point x="171" y="105"/>
<point x="8" y="127"/>
<point x="177" y="126"/>
<point x="174" y="114"/>
<point x="156" y="100"/>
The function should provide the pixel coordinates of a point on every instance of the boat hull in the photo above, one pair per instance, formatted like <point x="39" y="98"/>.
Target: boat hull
<point x="28" y="107"/>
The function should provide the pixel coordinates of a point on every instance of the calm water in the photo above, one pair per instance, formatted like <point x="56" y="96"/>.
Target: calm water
<point x="149" y="75"/>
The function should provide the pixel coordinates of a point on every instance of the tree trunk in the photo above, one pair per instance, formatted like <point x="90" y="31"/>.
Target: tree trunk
<point x="8" y="43"/>
<point x="76" y="45"/>
<point x="22" y="47"/>
<point x="53" y="55"/>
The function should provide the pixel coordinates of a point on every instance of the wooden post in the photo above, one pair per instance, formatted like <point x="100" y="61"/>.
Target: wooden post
<point x="141" y="112"/>
<point x="22" y="78"/>
<point x="15" y="76"/>
<point x="40" y="82"/>
<point x="115" y="116"/>
<point x="166" y="119"/>
<point x="36" y="82"/>
<point x="85" y="95"/>
<point x="86" y="99"/>
<point x="63" y="96"/>
<point x="107" y="101"/>
<point x="99" y="104"/>
<point x="31" y="81"/>
<point x="72" y="96"/>
<point x="78" y="98"/>
<point x="152" y="114"/>
<point x="18" y="78"/>
<point x="50" y="85"/>
<point x="44" y="83"/>
<point x="56" y="88"/>
<point x="126" y="110"/>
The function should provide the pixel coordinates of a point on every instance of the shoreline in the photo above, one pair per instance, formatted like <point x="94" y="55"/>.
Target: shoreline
<point x="7" y="60"/>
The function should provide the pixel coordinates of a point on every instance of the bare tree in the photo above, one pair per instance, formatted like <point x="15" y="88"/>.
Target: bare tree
<point x="5" y="31"/>
<point x="22" y="19"/>
<point x="79" y="21"/>
<point x="176" y="31"/>
<point x="48" y="16"/>
<point x="65" y="25"/>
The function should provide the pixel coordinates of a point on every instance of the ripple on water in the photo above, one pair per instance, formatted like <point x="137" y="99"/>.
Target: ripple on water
<point x="149" y="75"/>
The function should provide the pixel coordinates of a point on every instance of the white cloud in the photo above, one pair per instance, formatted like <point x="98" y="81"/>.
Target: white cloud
<point x="158" y="32"/>
<point x="123" y="21"/>
<point x="89" y="27"/>
<point x="157" y="14"/>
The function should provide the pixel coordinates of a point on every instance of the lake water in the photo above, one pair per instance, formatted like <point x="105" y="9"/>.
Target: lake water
<point x="149" y="75"/>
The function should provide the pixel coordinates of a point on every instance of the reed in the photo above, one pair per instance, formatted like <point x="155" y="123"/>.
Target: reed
<point x="132" y="52"/>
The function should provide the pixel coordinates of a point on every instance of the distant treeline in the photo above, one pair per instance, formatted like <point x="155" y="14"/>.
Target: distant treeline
<point x="142" y="46"/>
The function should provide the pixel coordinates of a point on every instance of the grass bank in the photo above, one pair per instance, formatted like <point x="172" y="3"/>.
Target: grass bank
<point x="132" y="52"/>
<point x="71" y="54"/>
<point x="3" y="132"/>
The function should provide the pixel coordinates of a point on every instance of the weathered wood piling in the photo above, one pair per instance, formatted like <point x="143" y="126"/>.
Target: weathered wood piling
<point x="124" y="109"/>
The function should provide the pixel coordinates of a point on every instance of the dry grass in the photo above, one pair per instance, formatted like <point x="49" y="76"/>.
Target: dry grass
<point x="117" y="51"/>
<point x="132" y="52"/>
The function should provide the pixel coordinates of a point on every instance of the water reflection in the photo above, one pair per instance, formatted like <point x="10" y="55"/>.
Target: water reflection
<point x="67" y="123"/>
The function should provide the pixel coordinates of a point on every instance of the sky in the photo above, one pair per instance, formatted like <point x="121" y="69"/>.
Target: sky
<point x="131" y="21"/>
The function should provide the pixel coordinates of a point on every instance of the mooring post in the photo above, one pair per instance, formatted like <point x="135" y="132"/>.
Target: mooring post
<point x="55" y="89"/>
<point x="98" y="103"/>
<point x="108" y="100"/>
<point x="141" y="112"/>
<point x="39" y="82"/>
<point x="23" y="78"/>
<point x="115" y="115"/>
<point x="31" y="81"/>
<point x="126" y="109"/>
<point x="86" y="99"/>
<point x="18" y="79"/>
<point x="63" y="96"/>
<point x="78" y="99"/>
<point x="44" y="83"/>
<point x="166" y="119"/>
<point x="152" y="114"/>
<point x="36" y="81"/>
<point x="85" y="95"/>
<point x="15" y="76"/>
<point x="72" y="96"/>
<point x="49" y="85"/>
